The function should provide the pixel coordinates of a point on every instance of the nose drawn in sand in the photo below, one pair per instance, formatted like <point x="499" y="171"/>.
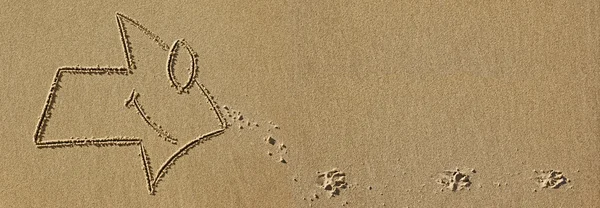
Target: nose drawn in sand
<point x="191" y="88"/>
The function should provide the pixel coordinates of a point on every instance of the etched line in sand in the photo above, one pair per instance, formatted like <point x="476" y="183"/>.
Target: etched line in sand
<point x="152" y="180"/>
<point x="133" y="101"/>
<point x="121" y="19"/>
<point x="213" y="103"/>
<point x="55" y="86"/>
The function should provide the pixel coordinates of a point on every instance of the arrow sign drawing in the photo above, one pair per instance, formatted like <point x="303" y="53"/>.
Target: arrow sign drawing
<point x="135" y="101"/>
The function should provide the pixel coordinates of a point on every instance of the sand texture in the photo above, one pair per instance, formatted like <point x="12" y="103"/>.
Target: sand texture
<point x="300" y="104"/>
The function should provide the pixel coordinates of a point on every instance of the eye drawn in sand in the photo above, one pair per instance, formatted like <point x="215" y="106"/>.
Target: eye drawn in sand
<point x="454" y="180"/>
<point x="133" y="102"/>
<point x="551" y="179"/>
<point x="193" y="73"/>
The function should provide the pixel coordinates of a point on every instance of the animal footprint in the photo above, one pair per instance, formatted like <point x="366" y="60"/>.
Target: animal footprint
<point x="551" y="179"/>
<point x="454" y="180"/>
<point x="332" y="181"/>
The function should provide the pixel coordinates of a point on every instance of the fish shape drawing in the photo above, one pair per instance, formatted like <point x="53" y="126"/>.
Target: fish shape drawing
<point x="145" y="95"/>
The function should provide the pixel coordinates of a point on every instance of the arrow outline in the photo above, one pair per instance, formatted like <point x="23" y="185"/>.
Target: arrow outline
<point x="152" y="181"/>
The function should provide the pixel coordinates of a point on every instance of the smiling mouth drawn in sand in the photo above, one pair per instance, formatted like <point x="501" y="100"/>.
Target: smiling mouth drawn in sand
<point x="134" y="102"/>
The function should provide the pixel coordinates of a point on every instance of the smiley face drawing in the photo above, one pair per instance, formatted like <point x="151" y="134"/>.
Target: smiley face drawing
<point x="160" y="108"/>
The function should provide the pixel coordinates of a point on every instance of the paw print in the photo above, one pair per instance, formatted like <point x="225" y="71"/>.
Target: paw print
<point x="332" y="181"/>
<point x="454" y="180"/>
<point x="551" y="179"/>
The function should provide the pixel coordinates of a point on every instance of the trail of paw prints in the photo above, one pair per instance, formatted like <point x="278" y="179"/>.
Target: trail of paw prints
<point x="275" y="147"/>
<point x="457" y="180"/>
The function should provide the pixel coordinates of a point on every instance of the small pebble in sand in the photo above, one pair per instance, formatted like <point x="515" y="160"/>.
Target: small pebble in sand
<point x="270" y="140"/>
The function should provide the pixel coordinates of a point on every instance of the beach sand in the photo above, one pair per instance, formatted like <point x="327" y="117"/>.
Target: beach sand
<point x="300" y="104"/>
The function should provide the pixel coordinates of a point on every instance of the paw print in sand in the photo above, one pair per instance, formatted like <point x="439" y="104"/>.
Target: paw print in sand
<point x="551" y="179"/>
<point x="332" y="181"/>
<point x="454" y="180"/>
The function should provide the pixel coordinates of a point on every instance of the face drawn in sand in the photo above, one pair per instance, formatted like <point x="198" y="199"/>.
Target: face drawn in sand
<point x="133" y="102"/>
<point x="454" y="180"/>
<point x="551" y="179"/>
<point x="332" y="181"/>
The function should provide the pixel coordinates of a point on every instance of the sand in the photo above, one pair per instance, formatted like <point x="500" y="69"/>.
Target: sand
<point x="300" y="104"/>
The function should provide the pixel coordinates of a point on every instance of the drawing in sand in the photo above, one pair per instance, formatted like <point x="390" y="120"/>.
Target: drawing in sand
<point x="133" y="102"/>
